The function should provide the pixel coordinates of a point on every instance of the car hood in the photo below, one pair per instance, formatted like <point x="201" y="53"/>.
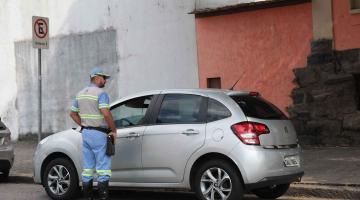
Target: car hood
<point x="64" y="141"/>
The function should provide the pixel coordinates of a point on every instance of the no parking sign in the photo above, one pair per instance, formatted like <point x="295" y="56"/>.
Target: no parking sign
<point x="40" y="33"/>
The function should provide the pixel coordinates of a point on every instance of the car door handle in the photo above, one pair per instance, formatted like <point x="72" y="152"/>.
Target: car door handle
<point x="132" y="135"/>
<point x="190" y="132"/>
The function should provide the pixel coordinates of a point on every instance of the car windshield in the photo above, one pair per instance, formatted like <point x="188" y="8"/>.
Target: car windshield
<point x="258" y="107"/>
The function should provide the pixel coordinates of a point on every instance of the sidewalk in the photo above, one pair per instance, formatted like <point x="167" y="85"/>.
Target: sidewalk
<point x="330" y="172"/>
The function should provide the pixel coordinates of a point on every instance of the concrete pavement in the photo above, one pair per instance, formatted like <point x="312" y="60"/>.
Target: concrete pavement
<point x="330" y="172"/>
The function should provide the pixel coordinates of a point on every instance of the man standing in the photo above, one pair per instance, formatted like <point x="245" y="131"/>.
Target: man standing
<point x="90" y="110"/>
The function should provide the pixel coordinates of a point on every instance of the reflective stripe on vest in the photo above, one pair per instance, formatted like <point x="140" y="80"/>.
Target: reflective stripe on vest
<point x="89" y="107"/>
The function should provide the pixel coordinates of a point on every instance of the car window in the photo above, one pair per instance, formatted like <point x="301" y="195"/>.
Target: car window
<point x="258" y="107"/>
<point x="131" y="112"/>
<point x="216" y="111"/>
<point x="180" y="108"/>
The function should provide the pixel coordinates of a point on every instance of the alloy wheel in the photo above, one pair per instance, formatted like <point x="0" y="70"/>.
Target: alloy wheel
<point x="58" y="180"/>
<point x="215" y="184"/>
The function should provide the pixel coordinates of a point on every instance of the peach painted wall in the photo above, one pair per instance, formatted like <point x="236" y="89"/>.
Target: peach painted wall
<point x="346" y="26"/>
<point x="262" y="47"/>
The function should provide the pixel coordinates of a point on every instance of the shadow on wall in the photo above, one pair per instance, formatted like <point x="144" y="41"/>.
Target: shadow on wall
<point x="65" y="70"/>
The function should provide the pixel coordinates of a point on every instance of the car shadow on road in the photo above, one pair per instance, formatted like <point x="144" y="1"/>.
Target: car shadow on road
<point x="158" y="195"/>
<point x="17" y="179"/>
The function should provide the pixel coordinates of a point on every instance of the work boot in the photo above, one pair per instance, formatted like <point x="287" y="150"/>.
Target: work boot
<point x="87" y="190"/>
<point x="103" y="190"/>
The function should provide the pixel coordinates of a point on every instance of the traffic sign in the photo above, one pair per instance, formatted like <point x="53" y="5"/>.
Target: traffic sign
<point x="40" y="32"/>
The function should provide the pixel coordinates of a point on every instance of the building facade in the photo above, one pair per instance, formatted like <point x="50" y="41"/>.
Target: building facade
<point x="144" y="44"/>
<point x="302" y="55"/>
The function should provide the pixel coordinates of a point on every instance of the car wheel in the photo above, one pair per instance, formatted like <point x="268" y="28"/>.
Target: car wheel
<point x="4" y="175"/>
<point x="60" y="179"/>
<point x="217" y="179"/>
<point x="271" y="192"/>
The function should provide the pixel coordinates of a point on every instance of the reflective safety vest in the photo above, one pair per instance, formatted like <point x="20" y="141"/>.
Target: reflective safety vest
<point x="88" y="105"/>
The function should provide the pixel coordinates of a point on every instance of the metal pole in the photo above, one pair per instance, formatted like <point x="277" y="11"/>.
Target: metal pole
<point x="39" y="87"/>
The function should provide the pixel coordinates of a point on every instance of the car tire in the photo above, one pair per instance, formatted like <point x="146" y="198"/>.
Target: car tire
<point x="207" y="187"/>
<point x="60" y="179"/>
<point x="271" y="192"/>
<point x="4" y="175"/>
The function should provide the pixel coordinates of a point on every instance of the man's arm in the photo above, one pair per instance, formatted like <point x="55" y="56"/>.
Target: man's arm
<point x="74" y="113"/>
<point x="109" y="119"/>
<point x="76" y="117"/>
<point x="105" y="110"/>
<point x="110" y="122"/>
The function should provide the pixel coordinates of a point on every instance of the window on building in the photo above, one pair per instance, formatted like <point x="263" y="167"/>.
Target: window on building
<point x="214" y="82"/>
<point x="354" y="6"/>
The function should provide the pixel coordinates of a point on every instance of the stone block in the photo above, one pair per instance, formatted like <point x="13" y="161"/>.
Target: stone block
<point x="320" y="95"/>
<point x="299" y="126"/>
<point x="298" y="96"/>
<point x="299" y="111"/>
<point x="354" y="137"/>
<point x="348" y="56"/>
<point x="320" y="58"/>
<point x="305" y="76"/>
<point x="321" y="46"/>
<point x="351" y="68"/>
<point x="328" y="67"/>
<point x="331" y="79"/>
<point x="309" y="140"/>
<point x="324" y="127"/>
<point x="352" y="121"/>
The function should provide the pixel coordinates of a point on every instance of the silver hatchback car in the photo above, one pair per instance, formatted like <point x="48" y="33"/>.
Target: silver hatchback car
<point x="217" y="143"/>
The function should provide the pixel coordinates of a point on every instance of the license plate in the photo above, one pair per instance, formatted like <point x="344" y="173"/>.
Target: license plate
<point x="292" y="161"/>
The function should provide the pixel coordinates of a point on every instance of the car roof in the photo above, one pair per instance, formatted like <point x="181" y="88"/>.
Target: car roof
<point x="205" y="91"/>
<point x="199" y="91"/>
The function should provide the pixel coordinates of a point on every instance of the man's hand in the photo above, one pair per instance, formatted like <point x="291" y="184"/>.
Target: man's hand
<point x="113" y="136"/>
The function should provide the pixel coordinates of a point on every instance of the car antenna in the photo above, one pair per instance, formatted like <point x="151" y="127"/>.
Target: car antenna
<point x="232" y="88"/>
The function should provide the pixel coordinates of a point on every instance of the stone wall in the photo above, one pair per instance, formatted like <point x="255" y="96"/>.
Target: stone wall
<point x="326" y="103"/>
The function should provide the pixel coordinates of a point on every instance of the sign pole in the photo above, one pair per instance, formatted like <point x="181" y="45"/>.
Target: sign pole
<point x="40" y="32"/>
<point x="40" y="96"/>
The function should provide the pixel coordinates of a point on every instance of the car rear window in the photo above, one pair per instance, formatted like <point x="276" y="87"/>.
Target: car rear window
<point x="216" y="111"/>
<point x="258" y="107"/>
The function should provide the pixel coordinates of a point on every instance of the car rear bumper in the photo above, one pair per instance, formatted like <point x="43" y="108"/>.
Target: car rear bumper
<point x="261" y="166"/>
<point x="275" y="180"/>
<point x="6" y="157"/>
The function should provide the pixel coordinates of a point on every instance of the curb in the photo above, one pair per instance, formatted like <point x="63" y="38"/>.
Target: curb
<point x="324" y="190"/>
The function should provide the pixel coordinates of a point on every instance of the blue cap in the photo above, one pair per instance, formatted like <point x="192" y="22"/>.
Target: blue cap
<point x="97" y="71"/>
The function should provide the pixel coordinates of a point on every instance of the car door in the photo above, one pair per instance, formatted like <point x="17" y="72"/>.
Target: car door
<point x="130" y="118"/>
<point x="178" y="130"/>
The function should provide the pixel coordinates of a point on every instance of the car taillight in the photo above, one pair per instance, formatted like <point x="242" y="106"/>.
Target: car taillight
<point x="254" y="94"/>
<point x="248" y="132"/>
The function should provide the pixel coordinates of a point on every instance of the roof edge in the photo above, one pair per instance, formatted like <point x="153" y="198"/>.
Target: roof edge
<point x="243" y="7"/>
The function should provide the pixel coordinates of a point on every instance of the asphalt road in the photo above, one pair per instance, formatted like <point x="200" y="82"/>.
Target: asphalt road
<point x="15" y="190"/>
<point x="324" y="165"/>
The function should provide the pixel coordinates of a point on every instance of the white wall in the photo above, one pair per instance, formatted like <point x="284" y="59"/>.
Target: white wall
<point x="155" y="44"/>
